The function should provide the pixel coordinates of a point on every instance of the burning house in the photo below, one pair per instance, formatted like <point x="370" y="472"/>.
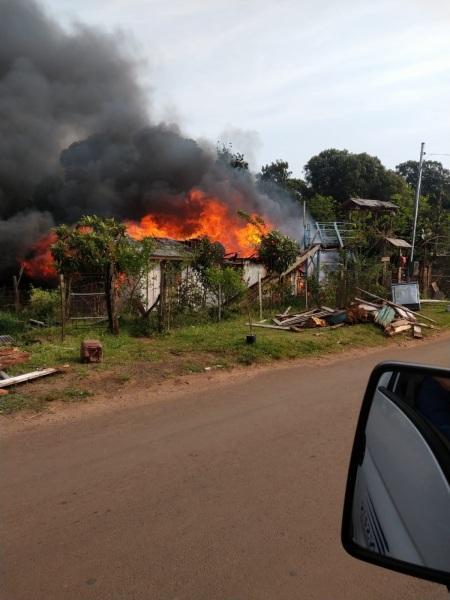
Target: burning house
<point x="169" y="252"/>
<point x="84" y="143"/>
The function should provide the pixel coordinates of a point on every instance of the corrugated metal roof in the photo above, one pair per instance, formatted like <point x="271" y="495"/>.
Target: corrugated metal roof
<point x="398" y="243"/>
<point x="170" y="249"/>
<point x="370" y="204"/>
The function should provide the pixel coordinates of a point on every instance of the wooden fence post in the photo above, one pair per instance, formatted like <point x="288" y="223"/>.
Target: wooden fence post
<point x="16" y="295"/>
<point x="260" y="297"/>
<point x="163" y="298"/>
<point x="63" y="306"/>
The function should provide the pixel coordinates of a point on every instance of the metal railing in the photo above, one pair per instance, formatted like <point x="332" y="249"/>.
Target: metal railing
<point x="336" y="234"/>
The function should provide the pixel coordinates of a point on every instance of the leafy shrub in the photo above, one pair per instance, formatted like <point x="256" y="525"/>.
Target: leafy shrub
<point x="44" y="305"/>
<point x="277" y="251"/>
<point x="225" y="284"/>
<point x="207" y="254"/>
<point x="10" y="325"/>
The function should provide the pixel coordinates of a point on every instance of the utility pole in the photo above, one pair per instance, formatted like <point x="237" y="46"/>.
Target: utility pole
<point x="416" y="202"/>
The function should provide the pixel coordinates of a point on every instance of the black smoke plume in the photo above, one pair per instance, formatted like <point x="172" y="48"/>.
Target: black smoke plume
<point x="76" y="137"/>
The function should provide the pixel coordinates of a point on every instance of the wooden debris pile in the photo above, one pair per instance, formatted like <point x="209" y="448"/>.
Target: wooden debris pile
<point x="391" y="317"/>
<point x="323" y="317"/>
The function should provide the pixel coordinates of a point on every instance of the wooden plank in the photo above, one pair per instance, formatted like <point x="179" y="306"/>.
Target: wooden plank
<point x="269" y="326"/>
<point x="367" y="307"/>
<point x="328" y="309"/>
<point x="377" y="306"/>
<point x="401" y="312"/>
<point x="26" y="377"/>
<point x="303" y="317"/>
<point x="305" y="313"/>
<point x="399" y="322"/>
<point x="391" y="330"/>
<point x="417" y="332"/>
<point x="425" y="325"/>
<point x="311" y="330"/>
<point x="396" y="305"/>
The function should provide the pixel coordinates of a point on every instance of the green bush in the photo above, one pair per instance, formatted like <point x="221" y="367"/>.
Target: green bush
<point x="44" y="305"/>
<point x="10" y="325"/>
<point x="277" y="252"/>
<point x="224" y="283"/>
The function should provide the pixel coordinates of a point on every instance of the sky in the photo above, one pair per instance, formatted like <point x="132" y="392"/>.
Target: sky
<point x="287" y="79"/>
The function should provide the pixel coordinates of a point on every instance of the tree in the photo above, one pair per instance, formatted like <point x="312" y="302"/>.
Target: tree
<point x="434" y="208"/>
<point x="322" y="208"/>
<point x="277" y="252"/>
<point x="207" y="254"/>
<point x="276" y="172"/>
<point x="96" y="245"/>
<point x="225" y="284"/>
<point x="435" y="180"/>
<point x="235" y="160"/>
<point x="341" y="175"/>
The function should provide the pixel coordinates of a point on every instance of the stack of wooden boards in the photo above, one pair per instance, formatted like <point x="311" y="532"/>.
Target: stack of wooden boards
<point x="393" y="318"/>
<point x="324" y="317"/>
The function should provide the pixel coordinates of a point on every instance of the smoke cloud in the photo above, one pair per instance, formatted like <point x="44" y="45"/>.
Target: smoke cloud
<point x="76" y="137"/>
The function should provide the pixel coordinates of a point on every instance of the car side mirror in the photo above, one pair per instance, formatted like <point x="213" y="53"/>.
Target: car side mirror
<point x="397" y="501"/>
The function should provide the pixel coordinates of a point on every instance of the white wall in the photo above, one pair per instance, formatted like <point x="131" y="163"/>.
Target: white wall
<point x="251" y="271"/>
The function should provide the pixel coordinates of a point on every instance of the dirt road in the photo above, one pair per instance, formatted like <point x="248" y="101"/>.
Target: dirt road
<point x="228" y="493"/>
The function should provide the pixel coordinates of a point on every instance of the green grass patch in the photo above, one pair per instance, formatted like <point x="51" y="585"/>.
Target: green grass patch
<point x="187" y="349"/>
<point x="15" y="401"/>
<point x="74" y="394"/>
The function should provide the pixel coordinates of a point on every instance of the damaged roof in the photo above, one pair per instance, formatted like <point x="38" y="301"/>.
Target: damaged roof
<point x="165" y="248"/>
<point x="369" y="204"/>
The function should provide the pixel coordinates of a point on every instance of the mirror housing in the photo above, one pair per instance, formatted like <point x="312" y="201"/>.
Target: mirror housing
<point x="397" y="500"/>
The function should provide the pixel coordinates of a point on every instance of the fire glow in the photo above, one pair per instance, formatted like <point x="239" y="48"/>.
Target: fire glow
<point x="200" y="215"/>
<point x="41" y="265"/>
<point x="206" y="216"/>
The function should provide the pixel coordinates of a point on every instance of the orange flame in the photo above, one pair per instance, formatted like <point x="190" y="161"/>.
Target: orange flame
<point x="41" y="265"/>
<point x="206" y="216"/>
<point x="200" y="215"/>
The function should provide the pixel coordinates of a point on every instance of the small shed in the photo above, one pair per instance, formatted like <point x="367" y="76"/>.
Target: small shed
<point x="393" y="248"/>
<point x="398" y="243"/>
<point x="394" y="256"/>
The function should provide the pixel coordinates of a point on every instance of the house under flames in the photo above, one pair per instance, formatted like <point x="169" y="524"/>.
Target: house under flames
<point x="180" y="253"/>
<point x="173" y="252"/>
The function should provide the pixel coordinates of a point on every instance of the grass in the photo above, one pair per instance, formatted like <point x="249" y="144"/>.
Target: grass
<point x="188" y="349"/>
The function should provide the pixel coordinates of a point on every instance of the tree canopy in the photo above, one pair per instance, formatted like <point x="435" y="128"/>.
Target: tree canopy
<point x="435" y="180"/>
<point x="101" y="246"/>
<point x="235" y="160"/>
<point x="276" y="172"/>
<point x="342" y="175"/>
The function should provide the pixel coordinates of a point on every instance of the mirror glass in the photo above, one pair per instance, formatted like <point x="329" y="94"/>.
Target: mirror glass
<point x="401" y="493"/>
